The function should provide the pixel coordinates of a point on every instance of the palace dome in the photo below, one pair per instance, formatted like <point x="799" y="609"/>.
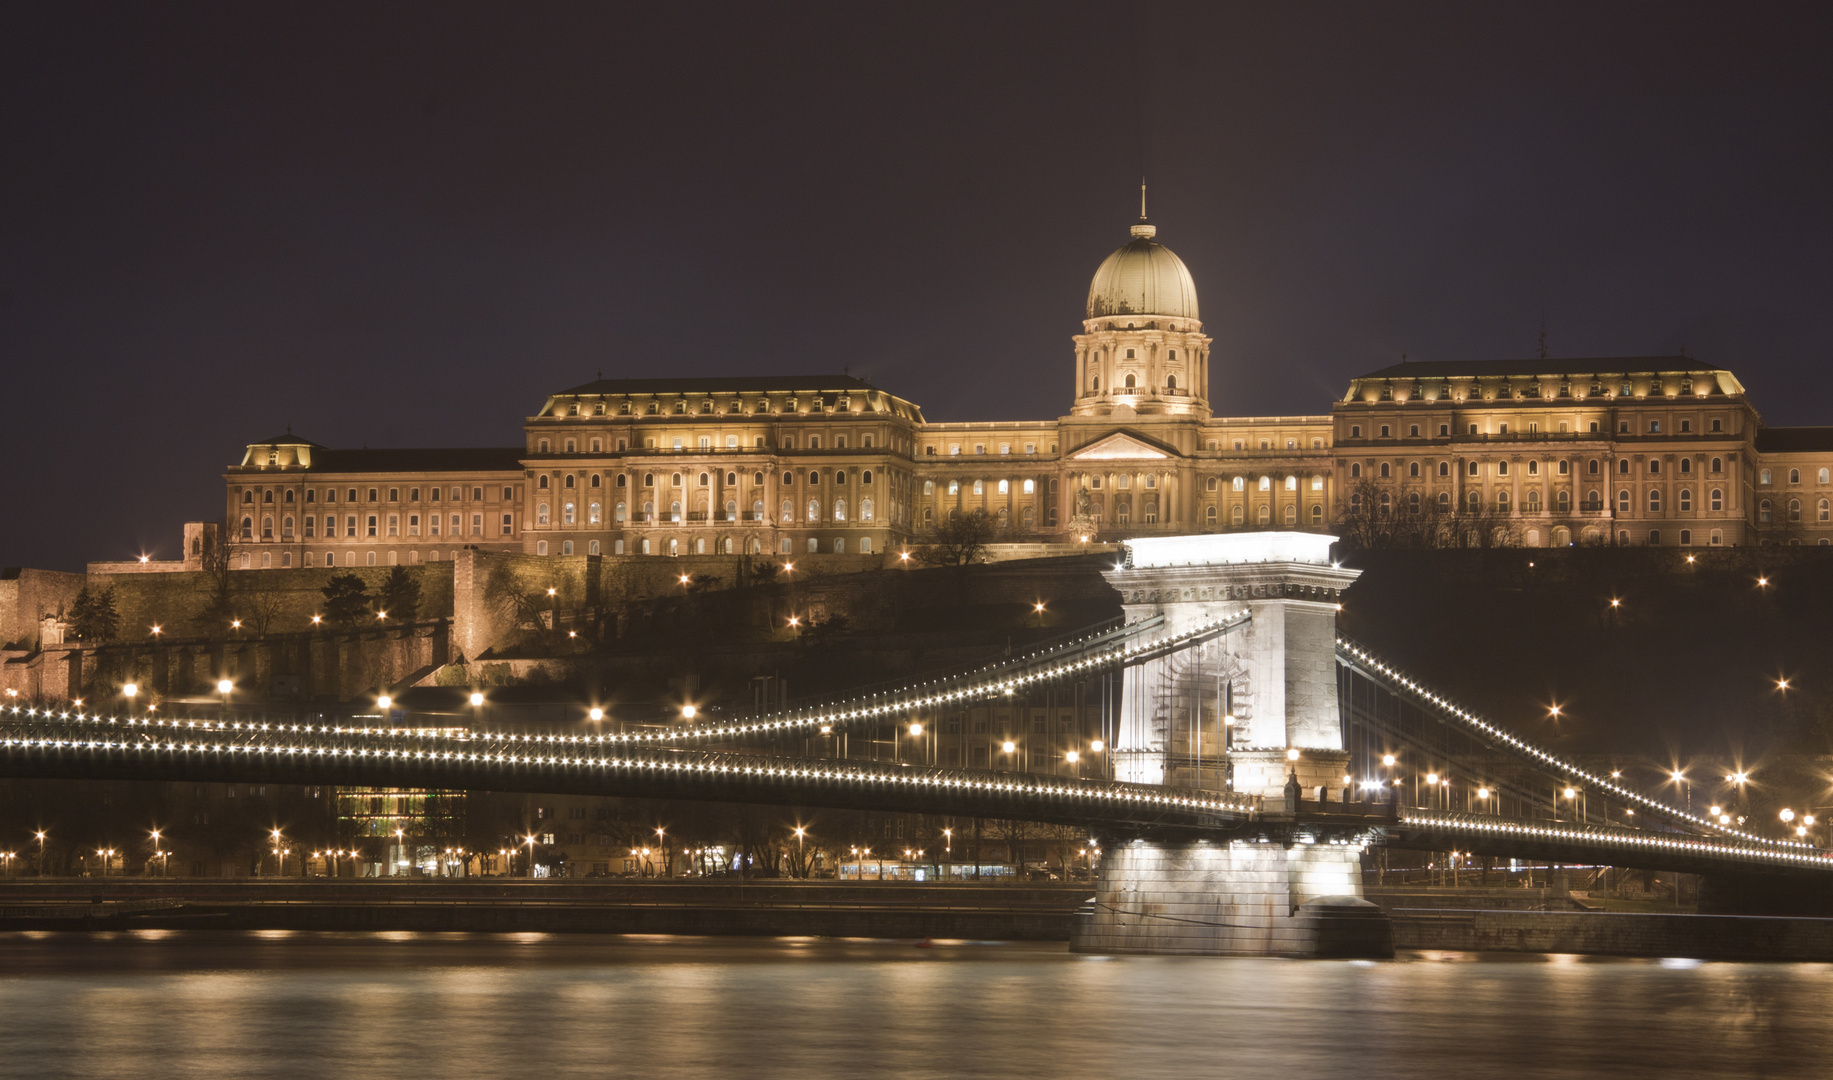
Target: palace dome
<point x="1143" y="278"/>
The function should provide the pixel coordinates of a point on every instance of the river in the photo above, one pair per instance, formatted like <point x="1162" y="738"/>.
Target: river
<point x="291" y="1004"/>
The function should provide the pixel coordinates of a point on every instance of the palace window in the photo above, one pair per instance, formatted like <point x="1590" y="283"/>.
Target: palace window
<point x="541" y="513"/>
<point x="1686" y="499"/>
<point x="508" y="524"/>
<point x="1239" y="483"/>
<point x="413" y="524"/>
<point x="1763" y="477"/>
<point x="1794" y="509"/>
<point x="1444" y="469"/>
<point x="1794" y="476"/>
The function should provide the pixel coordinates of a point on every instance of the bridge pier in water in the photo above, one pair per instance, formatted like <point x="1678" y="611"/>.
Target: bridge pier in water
<point x="1254" y="710"/>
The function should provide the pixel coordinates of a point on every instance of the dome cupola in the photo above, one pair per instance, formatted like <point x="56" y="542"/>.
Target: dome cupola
<point x="1143" y="277"/>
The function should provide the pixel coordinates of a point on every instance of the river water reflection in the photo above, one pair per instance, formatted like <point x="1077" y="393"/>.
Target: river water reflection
<point x="388" y="1005"/>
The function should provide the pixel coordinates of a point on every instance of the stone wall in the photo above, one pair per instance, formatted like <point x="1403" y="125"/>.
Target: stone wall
<point x="27" y="595"/>
<point x="1228" y="899"/>
<point x="1703" y="937"/>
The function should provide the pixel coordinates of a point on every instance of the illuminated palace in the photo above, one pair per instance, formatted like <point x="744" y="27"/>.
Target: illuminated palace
<point x="1629" y="451"/>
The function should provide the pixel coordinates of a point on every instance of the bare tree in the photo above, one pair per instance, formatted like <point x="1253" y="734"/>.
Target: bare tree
<point x="961" y="539"/>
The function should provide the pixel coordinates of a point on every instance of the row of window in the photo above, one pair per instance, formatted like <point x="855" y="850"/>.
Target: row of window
<point x="1627" y="388"/>
<point x="954" y="449"/>
<point x="1764" y="477"/>
<point x="702" y="442"/>
<point x="394" y="495"/>
<point x="1594" y="502"/>
<point x="372" y="525"/>
<point x="569" y="512"/>
<point x="1533" y="428"/>
<point x="706" y="479"/>
<point x="1562" y="467"/>
<point x="675" y="546"/>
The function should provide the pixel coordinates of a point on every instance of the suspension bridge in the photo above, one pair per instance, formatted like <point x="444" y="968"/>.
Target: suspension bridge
<point x="1229" y="644"/>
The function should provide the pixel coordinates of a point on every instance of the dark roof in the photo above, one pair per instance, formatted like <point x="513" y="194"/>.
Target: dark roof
<point x="460" y="459"/>
<point x="1439" y="369"/>
<point x="289" y="439"/>
<point x="1783" y="440"/>
<point x="738" y="384"/>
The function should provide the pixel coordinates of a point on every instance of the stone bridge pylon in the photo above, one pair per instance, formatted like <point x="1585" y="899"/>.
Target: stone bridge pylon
<point x="1255" y="710"/>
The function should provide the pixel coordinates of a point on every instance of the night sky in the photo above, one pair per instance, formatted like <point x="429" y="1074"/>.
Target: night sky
<point x="405" y="226"/>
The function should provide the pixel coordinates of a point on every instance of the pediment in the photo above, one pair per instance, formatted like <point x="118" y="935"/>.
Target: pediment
<point x="1120" y="447"/>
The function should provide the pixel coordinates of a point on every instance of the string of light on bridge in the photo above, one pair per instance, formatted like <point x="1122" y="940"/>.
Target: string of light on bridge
<point x="901" y="700"/>
<point x="1496" y="734"/>
<point x="1469" y="824"/>
<point x="1112" y="793"/>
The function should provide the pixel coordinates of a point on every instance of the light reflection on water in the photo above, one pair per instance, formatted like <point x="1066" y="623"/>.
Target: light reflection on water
<point x="312" y="1005"/>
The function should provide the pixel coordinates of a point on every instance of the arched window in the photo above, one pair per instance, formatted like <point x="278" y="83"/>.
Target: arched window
<point x="1413" y="502"/>
<point x="1209" y="516"/>
<point x="1444" y="501"/>
<point x="1622" y="466"/>
<point x="1763" y="477"/>
<point x="1473" y="468"/>
<point x="1564" y="501"/>
<point x="1502" y="502"/>
<point x="1764" y="513"/>
<point x="1212" y="483"/>
<point x="649" y="480"/>
<point x="840" y="510"/>
<point x="865" y="510"/>
<point x="1130" y="383"/>
<point x="597" y="481"/>
<point x="1623" y="504"/>
<point x="1825" y="510"/>
<point x="814" y="510"/>
<point x="541" y="482"/>
<point x="619" y="511"/>
<point x="1794" y="477"/>
<point x="1386" y="504"/>
<point x="1240" y="483"/>
<point x="789" y="511"/>
<point x="1501" y="468"/>
<point x="1266" y="483"/>
<point x="757" y="510"/>
<point x="1384" y="470"/>
<point x="865" y="477"/>
<point x="1005" y="487"/>
<point x="1718" y="465"/>
<point x="540" y="513"/>
<point x="267" y="497"/>
<point x="1591" y="467"/>
<point x="1686" y="499"/>
<point x="1292" y="483"/>
<point x="594" y="515"/>
<point x="929" y="517"/>
<point x="1265" y="517"/>
<point x="248" y="498"/>
<point x="1413" y="470"/>
<point x="1794" y="509"/>
<point x="1822" y="478"/>
<point x="1171" y="383"/>
<point x="1444" y="469"/>
<point x="1474" y="500"/>
<point x="566" y="513"/>
<point x="674" y="480"/>
<point x="929" y="487"/>
<point x="569" y="482"/>
<point x="1236" y="516"/>
<point x="980" y="487"/>
<point x="1355" y="470"/>
<point x="814" y="478"/>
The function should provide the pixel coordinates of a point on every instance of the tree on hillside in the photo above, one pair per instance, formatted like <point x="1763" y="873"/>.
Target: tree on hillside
<point x="93" y="617"/>
<point x="960" y="539"/>
<point x="346" y="600"/>
<point x="401" y="595"/>
<point x="214" y="582"/>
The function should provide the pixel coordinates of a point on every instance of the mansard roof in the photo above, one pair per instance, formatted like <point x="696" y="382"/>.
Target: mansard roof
<point x="737" y="384"/>
<point x="457" y="459"/>
<point x="1533" y="367"/>
<point x="1794" y="440"/>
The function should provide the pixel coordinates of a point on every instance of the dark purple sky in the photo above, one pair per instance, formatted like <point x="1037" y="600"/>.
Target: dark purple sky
<point x="406" y="227"/>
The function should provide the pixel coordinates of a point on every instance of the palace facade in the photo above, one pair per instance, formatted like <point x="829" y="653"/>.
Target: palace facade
<point x="1631" y="451"/>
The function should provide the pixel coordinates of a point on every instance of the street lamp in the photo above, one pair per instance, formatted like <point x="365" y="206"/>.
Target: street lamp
<point x="531" y="855"/>
<point x="384" y="702"/>
<point x="477" y="699"/>
<point x="688" y="712"/>
<point x="40" y="837"/>
<point x="595" y="713"/>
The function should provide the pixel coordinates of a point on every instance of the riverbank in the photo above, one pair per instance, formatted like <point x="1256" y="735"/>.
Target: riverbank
<point x="746" y="908"/>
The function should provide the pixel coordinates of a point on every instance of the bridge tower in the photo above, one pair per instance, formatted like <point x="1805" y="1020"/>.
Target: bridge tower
<point x="1290" y="883"/>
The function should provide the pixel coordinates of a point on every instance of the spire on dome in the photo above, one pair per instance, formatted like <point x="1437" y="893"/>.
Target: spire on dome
<point x="1144" y="228"/>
